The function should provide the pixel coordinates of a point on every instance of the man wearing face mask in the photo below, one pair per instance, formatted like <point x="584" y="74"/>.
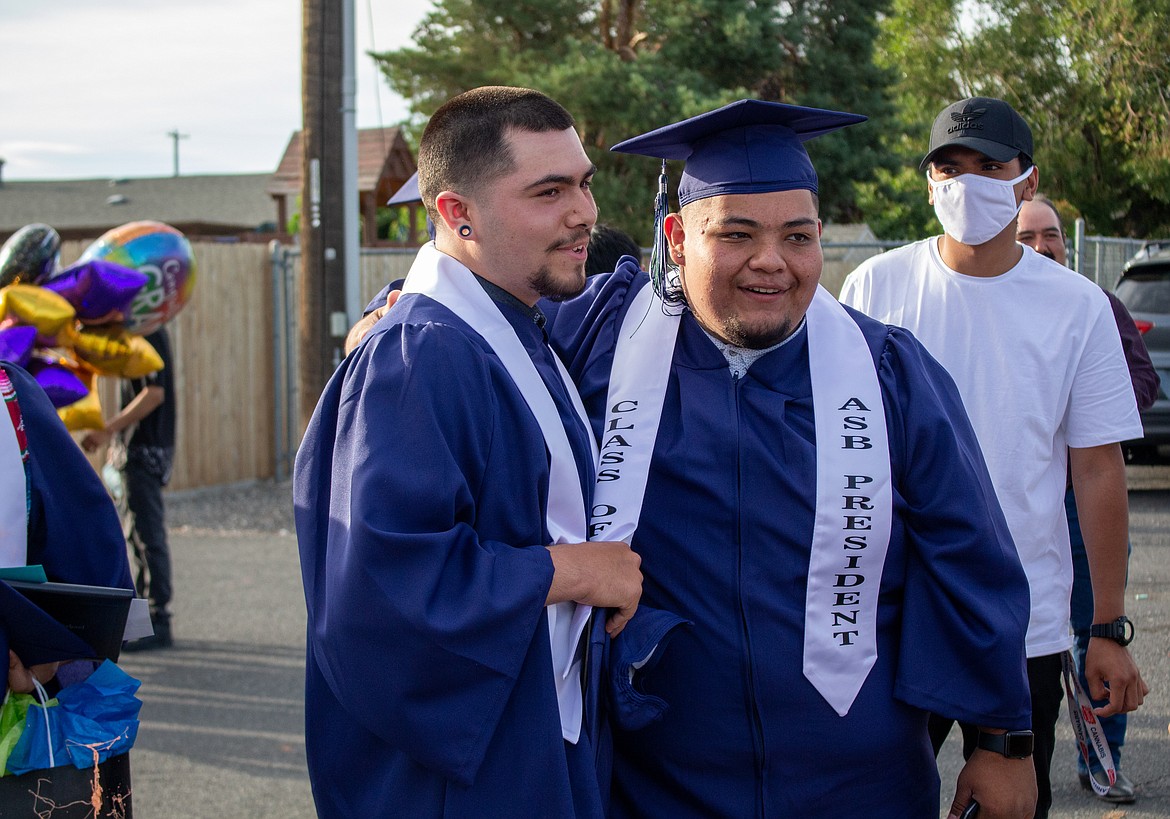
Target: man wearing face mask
<point x="1038" y="362"/>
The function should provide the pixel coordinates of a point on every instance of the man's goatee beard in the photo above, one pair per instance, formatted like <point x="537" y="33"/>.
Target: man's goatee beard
<point x="549" y="287"/>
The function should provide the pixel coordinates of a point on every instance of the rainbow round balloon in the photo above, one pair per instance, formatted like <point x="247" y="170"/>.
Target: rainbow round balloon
<point x="164" y="255"/>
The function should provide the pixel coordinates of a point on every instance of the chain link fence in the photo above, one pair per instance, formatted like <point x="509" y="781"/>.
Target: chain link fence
<point x="1101" y="258"/>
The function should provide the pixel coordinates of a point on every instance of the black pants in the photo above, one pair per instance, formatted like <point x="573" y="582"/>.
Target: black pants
<point x="152" y="555"/>
<point x="1044" y="682"/>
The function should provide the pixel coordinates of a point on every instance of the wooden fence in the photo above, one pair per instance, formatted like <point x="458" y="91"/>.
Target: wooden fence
<point x="377" y="267"/>
<point x="226" y="342"/>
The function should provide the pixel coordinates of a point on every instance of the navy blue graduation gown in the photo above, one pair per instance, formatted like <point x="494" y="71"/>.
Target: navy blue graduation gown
<point x="724" y="538"/>
<point x="73" y="527"/>
<point x="420" y="491"/>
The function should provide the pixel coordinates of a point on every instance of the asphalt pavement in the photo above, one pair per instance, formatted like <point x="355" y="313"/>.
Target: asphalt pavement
<point x="222" y="716"/>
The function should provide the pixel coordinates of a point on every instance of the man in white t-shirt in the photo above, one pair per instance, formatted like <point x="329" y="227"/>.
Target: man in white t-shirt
<point x="1038" y="362"/>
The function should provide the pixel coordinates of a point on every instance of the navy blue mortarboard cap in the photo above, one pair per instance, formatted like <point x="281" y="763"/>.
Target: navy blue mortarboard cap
<point x="407" y="193"/>
<point x="750" y="146"/>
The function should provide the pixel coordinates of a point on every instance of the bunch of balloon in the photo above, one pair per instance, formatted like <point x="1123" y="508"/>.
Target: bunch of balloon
<point x="67" y="327"/>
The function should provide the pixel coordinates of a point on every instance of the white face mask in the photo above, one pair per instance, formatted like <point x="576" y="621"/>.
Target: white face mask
<point x="974" y="209"/>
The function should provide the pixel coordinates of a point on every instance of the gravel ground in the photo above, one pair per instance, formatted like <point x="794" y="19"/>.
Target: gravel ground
<point x="264" y="506"/>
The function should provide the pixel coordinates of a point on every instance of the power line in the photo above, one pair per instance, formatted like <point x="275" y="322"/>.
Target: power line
<point x="377" y="76"/>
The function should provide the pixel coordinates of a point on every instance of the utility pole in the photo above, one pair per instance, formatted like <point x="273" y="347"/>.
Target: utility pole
<point x="321" y="308"/>
<point x="175" y="137"/>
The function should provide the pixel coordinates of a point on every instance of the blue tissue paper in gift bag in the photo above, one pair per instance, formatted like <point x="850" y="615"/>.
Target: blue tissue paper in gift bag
<point x="86" y="724"/>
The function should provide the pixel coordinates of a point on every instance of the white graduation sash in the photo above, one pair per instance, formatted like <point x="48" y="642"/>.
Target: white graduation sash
<point x="14" y="497"/>
<point x="854" y="506"/>
<point x="854" y="473"/>
<point x="633" y="410"/>
<point x="440" y="277"/>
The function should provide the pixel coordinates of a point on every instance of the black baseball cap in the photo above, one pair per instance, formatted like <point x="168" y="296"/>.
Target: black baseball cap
<point x="982" y="124"/>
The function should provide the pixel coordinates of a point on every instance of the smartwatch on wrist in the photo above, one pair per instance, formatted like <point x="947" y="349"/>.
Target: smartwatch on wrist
<point x="1120" y="630"/>
<point x="1012" y="744"/>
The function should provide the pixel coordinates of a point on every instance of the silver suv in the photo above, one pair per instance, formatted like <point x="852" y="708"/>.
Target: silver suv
<point x="1144" y="289"/>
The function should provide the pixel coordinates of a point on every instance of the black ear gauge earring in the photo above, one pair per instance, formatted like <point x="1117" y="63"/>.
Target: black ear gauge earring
<point x="465" y="231"/>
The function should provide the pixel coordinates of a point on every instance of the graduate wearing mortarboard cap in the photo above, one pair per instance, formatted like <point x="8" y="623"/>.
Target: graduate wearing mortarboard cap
<point x="839" y="591"/>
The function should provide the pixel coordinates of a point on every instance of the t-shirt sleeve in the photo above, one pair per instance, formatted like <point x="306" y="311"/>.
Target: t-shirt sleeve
<point x="160" y="340"/>
<point x="1102" y="406"/>
<point x="857" y="289"/>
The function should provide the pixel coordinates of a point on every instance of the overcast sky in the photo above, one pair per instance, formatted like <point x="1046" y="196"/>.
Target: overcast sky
<point x="91" y="88"/>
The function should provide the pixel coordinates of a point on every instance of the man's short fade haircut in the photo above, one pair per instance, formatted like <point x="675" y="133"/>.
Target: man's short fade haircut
<point x="464" y="146"/>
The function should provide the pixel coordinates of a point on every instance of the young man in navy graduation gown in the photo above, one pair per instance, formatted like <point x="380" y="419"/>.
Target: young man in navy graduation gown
<point x="816" y="503"/>
<point x="441" y="494"/>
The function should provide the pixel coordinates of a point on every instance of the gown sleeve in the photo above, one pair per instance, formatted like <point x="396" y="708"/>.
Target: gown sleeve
<point x="379" y="298"/>
<point x="579" y="326"/>
<point x="418" y="621"/>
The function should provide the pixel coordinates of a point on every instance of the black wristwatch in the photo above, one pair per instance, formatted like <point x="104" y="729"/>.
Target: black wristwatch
<point x="1120" y="630"/>
<point x="1012" y="744"/>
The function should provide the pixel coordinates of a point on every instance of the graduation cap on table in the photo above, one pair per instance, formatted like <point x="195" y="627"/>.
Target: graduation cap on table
<point x="750" y="146"/>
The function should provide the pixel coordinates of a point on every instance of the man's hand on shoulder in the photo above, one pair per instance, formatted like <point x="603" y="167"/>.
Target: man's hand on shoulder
<point x="366" y="323"/>
<point x="599" y="573"/>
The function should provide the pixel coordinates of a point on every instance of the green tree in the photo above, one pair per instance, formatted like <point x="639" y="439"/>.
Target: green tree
<point x="1112" y="158"/>
<point x="829" y="49"/>
<point x="626" y="66"/>
<point x="395" y="224"/>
